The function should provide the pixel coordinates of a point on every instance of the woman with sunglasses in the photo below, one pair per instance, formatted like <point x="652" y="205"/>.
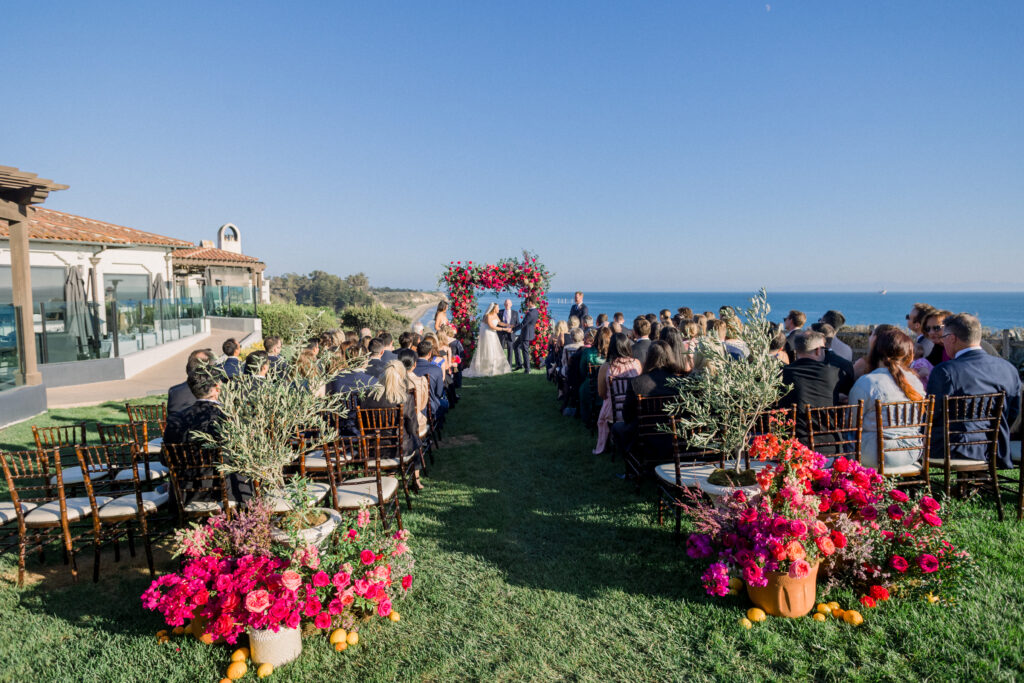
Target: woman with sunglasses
<point x="932" y="327"/>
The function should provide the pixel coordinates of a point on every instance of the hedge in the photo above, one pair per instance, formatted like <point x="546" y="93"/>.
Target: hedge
<point x="286" y="320"/>
<point x="375" y="317"/>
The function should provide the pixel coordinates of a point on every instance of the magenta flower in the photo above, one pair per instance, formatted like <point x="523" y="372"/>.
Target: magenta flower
<point x="321" y="579"/>
<point x="899" y="563"/>
<point x="323" y="620"/>
<point x="384" y="607"/>
<point x="931" y="519"/>
<point x="928" y="563"/>
<point x="257" y="600"/>
<point x="899" y="496"/>
<point x="754" y="575"/>
<point x="291" y="580"/>
<point x="367" y="557"/>
<point x="929" y="504"/>
<point x="406" y="581"/>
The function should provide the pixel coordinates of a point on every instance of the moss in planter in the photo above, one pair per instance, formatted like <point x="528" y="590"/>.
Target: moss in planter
<point x="733" y="478"/>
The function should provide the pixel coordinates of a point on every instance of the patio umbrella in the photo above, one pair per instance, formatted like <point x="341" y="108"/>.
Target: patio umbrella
<point x="76" y="311"/>
<point x="159" y="291"/>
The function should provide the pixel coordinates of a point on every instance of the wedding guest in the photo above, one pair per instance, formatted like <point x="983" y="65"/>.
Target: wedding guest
<point x="272" y="345"/>
<point x="972" y="371"/>
<point x="845" y="367"/>
<point x="619" y="318"/>
<point x="777" y="344"/>
<point x="655" y="332"/>
<point x="404" y="341"/>
<point x="602" y="320"/>
<point x="734" y="344"/>
<point x="588" y="323"/>
<point x="641" y="338"/>
<point x="931" y="325"/>
<point x="685" y="312"/>
<point x="388" y="347"/>
<point x="915" y="322"/>
<point x="812" y="382"/>
<point x="702" y="322"/>
<point x="232" y="366"/>
<point x="419" y="385"/>
<point x="717" y="330"/>
<point x="620" y="363"/>
<point x="679" y="342"/>
<point x="180" y="396"/>
<point x="890" y="380"/>
<point x="575" y="373"/>
<point x="596" y="354"/>
<point x="441" y="315"/>
<point x="617" y="328"/>
<point x="307" y="372"/>
<point x="375" y="364"/>
<point x="579" y="309"/>
<point x="709" y="315"/>
<point x="434" y="374"/>
<point x="204" y="414"/>
<point x="666" y="317"/>
<point x="791" y="324"/>
<point x="394" y="390"/>
<point x="574" y="324"/>
<point x="862" y="366"/>
<point x="575" y="342"/>
<point x="417" y="328"/>
<point x="257" y="364"/>
<point x="835" y="344"/>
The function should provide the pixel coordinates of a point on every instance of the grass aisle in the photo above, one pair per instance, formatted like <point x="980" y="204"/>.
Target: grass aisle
<point x="535" y="562"/>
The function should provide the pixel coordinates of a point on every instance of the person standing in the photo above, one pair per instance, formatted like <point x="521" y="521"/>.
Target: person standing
<point x="579" y="309"/>
<point x="527" y="333"/>
<point x="507" y="316"/>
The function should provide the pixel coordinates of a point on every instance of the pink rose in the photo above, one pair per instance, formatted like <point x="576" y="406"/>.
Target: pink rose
<point x="367" y="557"/>
<point x="279" y="611"/>
<point x="928" y="563"/>
<point x="335" y="606"/>
<point x="291" y="580"/>
<point x="406" y="581"/>
<point x="293" y="620"/>
<point x="323" y="620"/>
<point x="899" y="563"/>
<point x="899" y="496"/>
<point x="257" y="601"/>
<point x="321" y="579"/>
<point x="347" y="598"/>
<point x="384" y="608"/>
<point x="931" y="519"/>
<point x="799" y="569"/>
<point x="341" y="580"/>
<point x="797" y="528"/>
<point x="929" y="504"/>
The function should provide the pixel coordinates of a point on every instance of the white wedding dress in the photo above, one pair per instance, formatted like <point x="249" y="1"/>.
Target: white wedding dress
<point x="489" y="359"/>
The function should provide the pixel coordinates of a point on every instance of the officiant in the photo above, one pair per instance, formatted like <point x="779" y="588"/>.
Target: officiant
<point x="510" y="317"/>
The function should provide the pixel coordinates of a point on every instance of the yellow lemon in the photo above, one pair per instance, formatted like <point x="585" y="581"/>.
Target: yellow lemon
<point x="338" y="635"/>
<point x="818" y="616"/>
<point x="746" y="623"/>
<point x="341" y="646"/>
<point x="206" y="638"/>
<point x="236" y="670"/>
<point x="240" y="655"/>
<point x="756" y="614"/>
<point x="853" y="617"/>
<point x="837" y="613"/>
<point x="932" y="599"/>
<point x="225" y="680"/>
<point x="353" y="638"/>
<point x="161" y="633"/>
<point x="824" y="608"/>
<point x="265" y="670"/>
<point x="395" y="616"/>
<point x="735" y="585"/>
<point x="833" y="605"/>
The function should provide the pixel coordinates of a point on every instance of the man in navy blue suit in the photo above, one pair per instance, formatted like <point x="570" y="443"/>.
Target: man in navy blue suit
<point x="527" y="329"/>
<point x="971" y="372"/>
<point x="579" y="309"/>
<point x="435" y="378"/>
<point x="232" y="366"/>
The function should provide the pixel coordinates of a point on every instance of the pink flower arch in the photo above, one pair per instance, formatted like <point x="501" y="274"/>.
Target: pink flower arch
<point x="525" y="276"/>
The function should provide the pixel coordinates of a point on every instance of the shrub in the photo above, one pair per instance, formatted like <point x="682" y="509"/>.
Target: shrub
<point x="375" y="317"/>
<point x="285" y="320"/>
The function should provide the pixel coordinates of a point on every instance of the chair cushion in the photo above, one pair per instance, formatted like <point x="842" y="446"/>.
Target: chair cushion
<point x="957" y="464"/>
<point x="355" y="492"/>
<point x="8" y="514"/>
<point x="914" y="468"/>
<point x="392" y="463"/>
<point x="199" y="507"/>
<point x="318" y="491"/>
<point x="49" y="514"/>
<point x="154" y="446"/>
<point x="73" y="475"/>
<point x="316" y="461"/>
<point x="125" y="507"/>
<point x="156" y="471"/>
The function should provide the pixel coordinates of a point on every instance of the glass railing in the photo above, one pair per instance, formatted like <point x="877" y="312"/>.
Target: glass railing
<point x="144" y="324"/>
<point x="10" y="358"/>
<point x="230" y="302"/>
<point x="67" y="331"/>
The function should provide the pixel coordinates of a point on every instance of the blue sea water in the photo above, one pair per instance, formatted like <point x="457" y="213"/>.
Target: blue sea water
<point x="997" y="310"/>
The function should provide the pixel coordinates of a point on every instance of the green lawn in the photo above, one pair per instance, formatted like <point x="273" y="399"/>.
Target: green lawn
<point x="535" y="562"/>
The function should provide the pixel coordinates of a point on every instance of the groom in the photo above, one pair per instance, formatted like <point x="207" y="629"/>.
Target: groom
<point x="527" y="329"/>
<point x="511" y="318"/>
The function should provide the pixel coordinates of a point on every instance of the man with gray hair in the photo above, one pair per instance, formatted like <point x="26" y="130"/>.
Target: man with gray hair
<point x="970" y="372"/>
<point x="417" y="328"/>
<point x="837" y="345"/>
<point x="813" y="382"/>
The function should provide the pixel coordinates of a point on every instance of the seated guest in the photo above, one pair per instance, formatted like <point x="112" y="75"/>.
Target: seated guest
<point x="702" y="323"/>
<point x="602" y="320"/>
<point x="685" y="312"/>
<point x="837" y="345"/>
<point x="812" y="382"/>
<point x="418" y="386"/>
<point x="575" y="374"/>
<point x="734" y="344"/>
<point x="574" y="324"/>
<point x="890" y="380"/>
<point x="620" y="363"/>
<point x="665" y="318"/>
<point x="180" y="396"/>
<point x="717" y="331"/>
<point x="777" y="344"/>
<point x="353" y="380"/>
<point x="307" y="371"/>
<point x="915" y="323"/>
<point x="417" y="328"/>
<point x="971" y="372"/>
<point x="257" y="364"/>
<point x="231" y="365"/>
<point x="793" y="323"/>
<point x="641" y="339"/>
<point x="272" y="345"/>
<point x="435" y="376"/>
<point x="709" y="315"/>
<point x="393" y="390"/>
<point x="617" y="328"/>
<point x="388" y="344"/>
<point x="655" y="332"/>
<point x="404" y="341"/>
<point x="656" y="380"/>
<point x="458" y="351"/>
<point x="203" y="415"/>
<point x="861" y="365"/>
<point x="679" y="341"/>
<point x="376" y="363"/>
<point x="575" y="343"/>
<point x="594" y="354"/>
<point x="587" y="323"/>
<point x="845" y="367"/>
<point x="932" y="327"/>
<point x="620" y="319"/>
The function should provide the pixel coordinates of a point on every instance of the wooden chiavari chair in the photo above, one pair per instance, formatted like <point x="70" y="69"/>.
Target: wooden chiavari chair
<point x="592" y="370"/>
<point x="386" y="423"/>
<point x="970" y="420"/>
<point x="835" y="430"/>
<point x="357" y="479"/>
<point x="65" y="440"/>
<point x="199" y="488"/>
<point x="149" y="470"/>
<point x="913" y="419"/>
<point x="149" y="423"/>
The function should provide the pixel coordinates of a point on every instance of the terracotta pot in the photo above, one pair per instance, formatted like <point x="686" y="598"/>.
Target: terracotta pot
<point x="786" y="597"/>
<point x="275" y="648"/>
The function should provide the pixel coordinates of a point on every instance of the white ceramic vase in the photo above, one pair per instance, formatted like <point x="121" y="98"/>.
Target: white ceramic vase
<point x="275" y="648"/>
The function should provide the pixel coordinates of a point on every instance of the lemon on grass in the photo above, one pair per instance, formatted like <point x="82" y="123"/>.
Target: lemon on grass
<point x="853" y="617"/>
<point x="395" y="616"/>
<point x="818" y="616"/>
<point x="833" y="605"/>
<point x="341" y="646"/>
<point x="161" y="633"/>
<point x="178" y="630"/>
<point x="837" y="612"/>
<point x="735" y="585"/>
<point x="746" y="623"/>
<point x="240" y="655"/>
<point x="236" y="670"/>
<point x="756" y="614"/>
<point x="823" y="608"/>
<point x="338" y="635"/>
<point x="353" y="638"/>
<point x="265" y="669"/>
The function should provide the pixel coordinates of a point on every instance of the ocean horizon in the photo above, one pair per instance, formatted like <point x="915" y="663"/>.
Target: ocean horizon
<point x="996" y="310"/>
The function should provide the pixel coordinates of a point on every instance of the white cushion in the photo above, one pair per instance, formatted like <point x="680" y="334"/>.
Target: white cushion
<point x="317" y="492"/>
<point x="154" y="446"/>
<point x="156" y="471"/>
<point x="8" y="514"/>
<point x="957" y="464"/>
<point x="49" y="514"/>
<point x="356" y="492"/>
<point x="73" y="475"/>
<point x="902" y="469"/>
<point x="392" y="463"/>
<point x="126" y="506"/>
<point x="205" y="506"/>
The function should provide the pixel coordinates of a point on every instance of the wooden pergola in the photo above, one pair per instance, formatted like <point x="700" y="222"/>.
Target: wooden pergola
<point x="20" y="190"/>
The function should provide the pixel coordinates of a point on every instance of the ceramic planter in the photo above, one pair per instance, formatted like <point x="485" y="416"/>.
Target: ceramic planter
<point x="314" y="535"/>
<point x="784" y="596"/>
<point x="275" y="648"/>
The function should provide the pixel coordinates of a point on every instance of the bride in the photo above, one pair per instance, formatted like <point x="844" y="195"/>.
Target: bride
<point x="489" y="358"/>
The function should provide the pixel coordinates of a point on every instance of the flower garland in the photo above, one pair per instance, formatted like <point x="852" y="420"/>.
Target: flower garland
<point x="526" y="277"/>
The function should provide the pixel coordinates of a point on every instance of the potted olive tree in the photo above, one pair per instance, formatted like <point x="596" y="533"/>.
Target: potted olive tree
<point x="717" y="405"/>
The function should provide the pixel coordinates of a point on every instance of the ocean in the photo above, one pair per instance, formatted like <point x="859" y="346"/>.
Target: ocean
<point x="996" y="310"/>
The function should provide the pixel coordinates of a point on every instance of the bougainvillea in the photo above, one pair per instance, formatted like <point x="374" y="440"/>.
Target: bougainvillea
<point x="525" y="276"/>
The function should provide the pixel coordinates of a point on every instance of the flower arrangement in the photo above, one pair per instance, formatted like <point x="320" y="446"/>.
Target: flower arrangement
<point x="526" y="276"/>
<point x="360" y="574"/>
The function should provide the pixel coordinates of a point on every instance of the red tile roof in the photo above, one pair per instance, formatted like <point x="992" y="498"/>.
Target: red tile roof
<point x="57" y="226"/>
<point x="212" y="254"/>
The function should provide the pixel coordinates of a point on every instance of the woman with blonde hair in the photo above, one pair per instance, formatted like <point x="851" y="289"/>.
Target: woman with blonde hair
<point x="393" y="391"/>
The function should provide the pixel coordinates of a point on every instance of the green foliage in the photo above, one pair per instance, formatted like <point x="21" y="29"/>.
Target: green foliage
<point x="375" y="317"/>
<point x="322" y="289"/>
<point x="288" y="320"/>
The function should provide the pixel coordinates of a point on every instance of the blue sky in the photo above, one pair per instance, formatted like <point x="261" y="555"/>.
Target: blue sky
<point x="672" y="146"/>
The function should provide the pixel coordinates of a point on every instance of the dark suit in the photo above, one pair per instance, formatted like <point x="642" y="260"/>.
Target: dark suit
<point x="278" y="365"/>
<point x="654" y="383"/>
<point x="201" y="416"/>
<point x="846" y="374"/>
<point x="179" y="397"/>
<point x="375" y="368"/>
<point x="388" y="356"/>
<point x="435" y="380"/>
<point x="975" y="372"/>
<point x="814" y="384"/>
<point x="640" y="349"/>
<point x="580" y="311"/>
<point x="232" y="367"/>
<point x="509" y="317"/>
<point x="349" y="382"/>
<point x="527" y="333"/>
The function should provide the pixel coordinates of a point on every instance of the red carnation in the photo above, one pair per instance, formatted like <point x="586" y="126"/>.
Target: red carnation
<point x="879" y="592"/>
<point x="867" y="601"/>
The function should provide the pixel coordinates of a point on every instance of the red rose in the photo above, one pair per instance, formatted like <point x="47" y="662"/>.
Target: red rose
<point x="867" y="601"/>
<point x="838" y="539"/>
<point x="898" y="563"/>
<point x="879" y="592"/>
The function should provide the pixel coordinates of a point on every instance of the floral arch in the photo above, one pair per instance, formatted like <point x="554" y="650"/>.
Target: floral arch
<point x="524" y="276"/>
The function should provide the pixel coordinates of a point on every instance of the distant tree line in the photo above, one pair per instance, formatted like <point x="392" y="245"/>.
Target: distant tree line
<point x="322" y="290"/>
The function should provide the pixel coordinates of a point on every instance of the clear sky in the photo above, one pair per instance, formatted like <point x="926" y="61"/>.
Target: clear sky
<point x="634" y="146"/>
